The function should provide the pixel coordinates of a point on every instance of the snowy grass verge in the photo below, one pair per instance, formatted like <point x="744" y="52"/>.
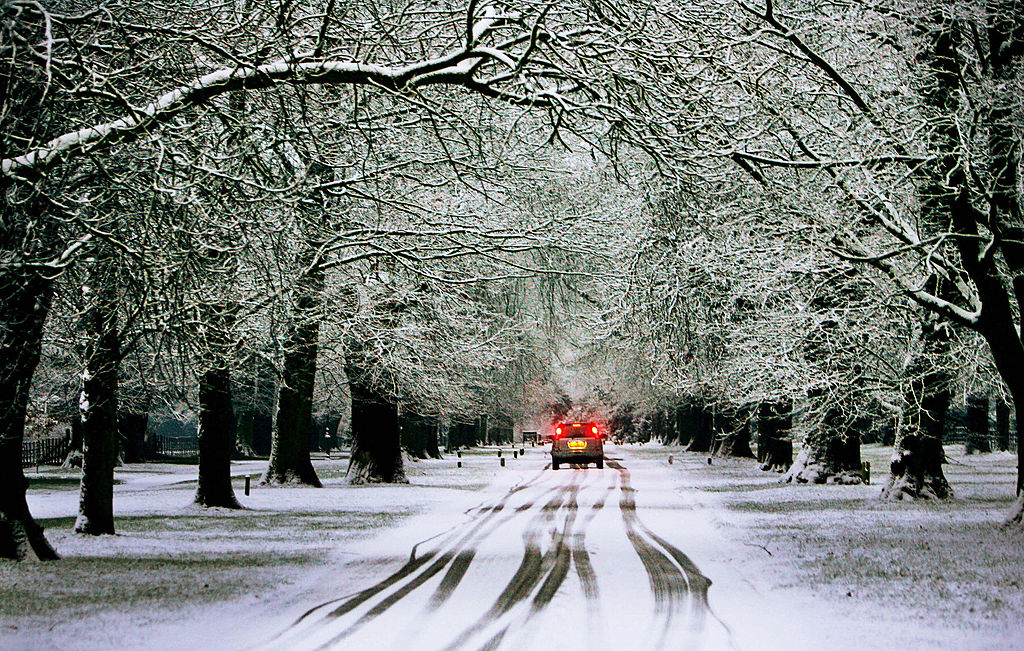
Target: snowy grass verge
<point x="175" y="567"/>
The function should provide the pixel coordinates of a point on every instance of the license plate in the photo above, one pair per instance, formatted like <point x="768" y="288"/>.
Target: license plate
<point x="577" y="445"/>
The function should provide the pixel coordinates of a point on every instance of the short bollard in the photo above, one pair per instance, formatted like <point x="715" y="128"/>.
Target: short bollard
<point x="458" y="465"/>
<point x="865" y="472"/>
<point x="247" y="484"/>
<point x="458" y="453"/>
<point x="515" y="454"/>
<point x="502" y="460"/>
<point x="670" y="459"/>
<point x="499" y="454"/>
<point x="522" y="451"/>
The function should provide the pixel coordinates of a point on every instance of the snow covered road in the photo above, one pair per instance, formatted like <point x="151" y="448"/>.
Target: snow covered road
<point x="577" y="558"/>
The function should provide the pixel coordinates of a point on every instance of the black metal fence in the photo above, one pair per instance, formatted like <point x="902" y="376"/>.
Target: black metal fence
<point x="44" y="452"/>
<point x="177" y="447"/>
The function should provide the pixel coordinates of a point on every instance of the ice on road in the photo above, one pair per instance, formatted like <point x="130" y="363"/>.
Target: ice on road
<point x="575" y="558"/>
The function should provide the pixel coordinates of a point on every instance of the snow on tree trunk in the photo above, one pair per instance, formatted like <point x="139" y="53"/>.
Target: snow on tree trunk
<point x="830" y="453"/>
<point x="376" y="443"/>
<point x="24" y="305"/>
<point x="98" y="402"/>
<point x="1016" y="515"/>
<point x="916" y="466"/>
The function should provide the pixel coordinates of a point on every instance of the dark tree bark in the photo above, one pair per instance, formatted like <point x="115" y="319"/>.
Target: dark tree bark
<point x="413" y="435"/>
<point x="683" y="415"/>
<point x="216" y="440"/>
<point x="479" y="431"/>
<point x="916" y="467"/>
<point x="98" y="403"/>
<point x="829" y="454"/>
<point x="1002" y="425"/>
<point x="131" y="429"/>
<point x="658" y="429"/>
<point x="702" y="433"/>
<point x="735" y="434"/>
<point x="774" y="442"/>
<point x="289" y="453"/>
<point x="433" y="444"/>
<point x="28" y="236"/>
<point x="951" y="191"/>
<point x="977" y="425"/>
<point x="23" y="309"/>
<point x="376" y="442"/>
<point x="74" y="455"/>
<point x="419" y="436"/>
<point x="622" y="422"/>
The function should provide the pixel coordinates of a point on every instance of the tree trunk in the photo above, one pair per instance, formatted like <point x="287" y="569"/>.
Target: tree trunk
<point x="216" y="440"/>
<point x="1002" y="425"/>
<point x="949" y="192"/>
<point x="702" y="432"/>
<point x="244" y="428"/>
<point x="658" y="425"/>
<point x="683" y="415"/>
<point x="977" y="425"/>
<point x="376" y="443"/>
<point x="736" y="435"/>
<point x="413" y="435"/>
<point x="74" y="455"/>
<point x="831" y="452"/>
<point x="289" y="453"/>
<point x="23" y="309"/>
<point x="98" y="403"/>
<point x="131" y="430"/>
<point x="916" y="466"/>
<point x="433" y="445"/>
<point x="419" y="436"/>
<point x="245" y="423"/>
<point x="774" y="442"/>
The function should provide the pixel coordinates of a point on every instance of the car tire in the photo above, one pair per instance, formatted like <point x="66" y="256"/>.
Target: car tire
<point x="600" y="464"/>
<point x="554" y="465"/>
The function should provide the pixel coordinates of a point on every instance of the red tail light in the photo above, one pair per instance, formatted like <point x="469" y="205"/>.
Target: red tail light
<point x="558" y="431"/>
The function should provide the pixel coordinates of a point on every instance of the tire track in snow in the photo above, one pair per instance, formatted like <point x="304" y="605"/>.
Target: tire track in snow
<point x="532" y="568"/>
<point x="568" y="550"/>
<point x="338" y="608"/>
<point x="675" y="579"/>
<point x="554" y="530"/>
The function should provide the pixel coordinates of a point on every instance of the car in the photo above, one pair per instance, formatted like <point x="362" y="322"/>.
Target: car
<point x="577" y="443"/>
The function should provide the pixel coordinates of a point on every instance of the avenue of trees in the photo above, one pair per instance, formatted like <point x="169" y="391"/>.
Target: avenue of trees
<point x="717" y="213"/>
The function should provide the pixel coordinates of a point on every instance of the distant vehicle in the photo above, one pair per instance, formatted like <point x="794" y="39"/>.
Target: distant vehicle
<point x="578" y="443"/>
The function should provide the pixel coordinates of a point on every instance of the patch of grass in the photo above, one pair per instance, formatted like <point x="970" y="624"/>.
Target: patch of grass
<point x="944" y="561"/>
<point x="57" y="482"/>
<point x="80" y="586"/>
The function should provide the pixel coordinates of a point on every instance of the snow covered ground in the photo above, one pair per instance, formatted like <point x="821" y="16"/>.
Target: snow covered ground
<point x="522" y="557"/>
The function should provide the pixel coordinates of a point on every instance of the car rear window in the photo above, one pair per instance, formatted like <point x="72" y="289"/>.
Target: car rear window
<point x="585" y="430"/>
